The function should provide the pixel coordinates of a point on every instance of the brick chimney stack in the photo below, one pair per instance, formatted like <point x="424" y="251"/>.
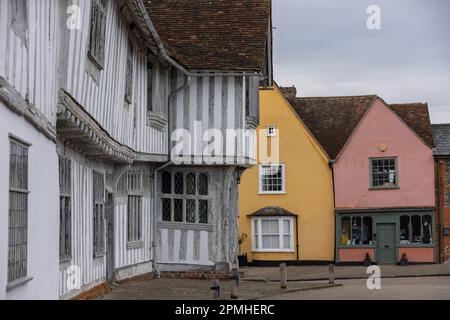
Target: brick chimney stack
<point x="289" y="92"/>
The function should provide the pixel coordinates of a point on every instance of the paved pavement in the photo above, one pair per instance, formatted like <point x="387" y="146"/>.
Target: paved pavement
<point x="412" y="282"/>
<point x="311" y="273"/>
<point x="434" y="288"/>
<point x="177" y="289"/>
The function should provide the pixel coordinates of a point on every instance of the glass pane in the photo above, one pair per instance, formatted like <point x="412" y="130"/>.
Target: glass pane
<point x="275" y="227"/>
<point x="275" y="242"/>
<point x="265" y="224"/>
<point x="203" y="211"/>
<point x="190" y="184"/>
<point x="287" y="242"/>
<point x="404" y="230"/>
<point x="345" y="231"/>
<point x="166" y="183"/>
<point x="416" y="229"/>
<point x="178" y="210"/>
<point x="356" y="231"/>
<point x="265" y="242"/>
<point x="367" y="231"/>
<point x="190" y="211"/>
<point x="166" y="210"/>
<point x="427" y="231"/>
<point x="203" y="185"/>
<point x="287" y="227"/>
<point x="179" y="183"/>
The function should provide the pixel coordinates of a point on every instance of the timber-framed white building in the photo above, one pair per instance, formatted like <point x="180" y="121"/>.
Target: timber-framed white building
<point x="93" y="96"/>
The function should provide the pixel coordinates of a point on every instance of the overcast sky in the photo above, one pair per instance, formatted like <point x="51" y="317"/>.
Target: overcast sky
<point x="324" y="48"/>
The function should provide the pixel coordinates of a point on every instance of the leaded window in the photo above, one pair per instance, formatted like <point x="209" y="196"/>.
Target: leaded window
<point x="65" y="209"/>
<point x="184" y="197"/>
<point x="134" y="206"/>
<point x="384" y="173"/>
<point x="98" y="31"/>
<point x="99" y="214"/>
<point x="18" y="211"/>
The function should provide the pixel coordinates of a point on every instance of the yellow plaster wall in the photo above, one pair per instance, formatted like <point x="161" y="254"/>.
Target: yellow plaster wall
<point x="309" y="187"/>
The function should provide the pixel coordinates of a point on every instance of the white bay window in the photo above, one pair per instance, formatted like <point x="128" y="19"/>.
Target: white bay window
<point x="273" y="234"/>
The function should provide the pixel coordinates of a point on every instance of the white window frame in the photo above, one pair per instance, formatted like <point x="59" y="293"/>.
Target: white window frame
<point x="258" y="247"/>
<point x="272" y="131"/>
<point x="283" y="177"/>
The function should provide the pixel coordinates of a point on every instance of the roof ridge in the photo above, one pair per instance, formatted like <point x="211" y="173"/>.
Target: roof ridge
<point x="408" y="104"/>
<point x="339" y="97"/>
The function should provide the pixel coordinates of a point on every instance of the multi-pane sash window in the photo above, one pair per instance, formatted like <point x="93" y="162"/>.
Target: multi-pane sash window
<point x="99" y="216"/>
<point x="18" y="211"/>
<point x="65" y="214"/>
<point x="272" y="178"/>
<point x="98" y="31"/>
<point x="272" y="234"/>
<point x="185" y="197"/>
<point x="129" y="75"/>
<point x="135" y="194"/>
<point x="384" y="173"/>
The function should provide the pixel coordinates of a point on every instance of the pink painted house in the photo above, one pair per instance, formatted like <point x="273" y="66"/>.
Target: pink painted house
<point x="384" y="176"/>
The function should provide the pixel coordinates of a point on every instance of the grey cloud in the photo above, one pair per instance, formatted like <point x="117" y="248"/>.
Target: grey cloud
<point x="325" y="48"/>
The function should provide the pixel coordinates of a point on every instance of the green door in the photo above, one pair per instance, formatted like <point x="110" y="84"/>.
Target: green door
<point x="386" y="248"/>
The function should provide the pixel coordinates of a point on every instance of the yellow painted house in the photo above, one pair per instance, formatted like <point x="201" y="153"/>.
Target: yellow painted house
<point x="286" y="209"/>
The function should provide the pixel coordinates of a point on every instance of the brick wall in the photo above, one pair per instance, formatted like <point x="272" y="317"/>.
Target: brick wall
<point x="443" y="170"/>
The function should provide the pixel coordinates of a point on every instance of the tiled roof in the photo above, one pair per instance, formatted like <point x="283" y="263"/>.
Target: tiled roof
<point x="332" y="120"/>
<point x="442" y="138"/>
<point x="417" y="117"/>
<point x="227" y="35"/>
<point x="272" y="212"/>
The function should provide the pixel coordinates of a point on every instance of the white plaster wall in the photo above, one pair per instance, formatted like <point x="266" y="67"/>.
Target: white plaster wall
<point x="43" y="213"/>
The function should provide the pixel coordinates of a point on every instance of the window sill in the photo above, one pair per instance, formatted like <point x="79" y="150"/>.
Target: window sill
<point x="273" y="251"/>
<point x="185" y="226"/>
<point x="272" y="193"/>
<point x="361" y="246"/>
<point x="93" y="68"/>
<point x="18" y="283"/>
<point x="65" y="260"/>
<point x="416" y="246"/>
<point x="383" y="188"/>
<point x="99" y="256"/>
<point x="156" y="120"/>
<point x="135" y="245"/>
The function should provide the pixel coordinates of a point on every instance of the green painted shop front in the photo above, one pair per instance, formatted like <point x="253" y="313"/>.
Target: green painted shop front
<point x="385" y="236"/>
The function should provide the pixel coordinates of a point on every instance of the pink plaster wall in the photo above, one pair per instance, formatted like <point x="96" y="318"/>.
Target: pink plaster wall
<point x="355" y="255"/>
<point x="415" y="164"/>
<point x="422" y="255"/>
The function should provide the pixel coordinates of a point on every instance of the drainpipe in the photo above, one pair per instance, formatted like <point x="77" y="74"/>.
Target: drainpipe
<point x="331" y="165"/>
<point x="297" y="239"/>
